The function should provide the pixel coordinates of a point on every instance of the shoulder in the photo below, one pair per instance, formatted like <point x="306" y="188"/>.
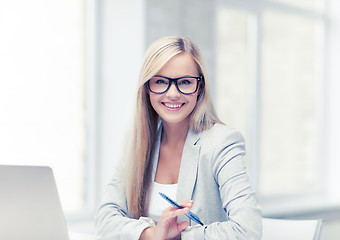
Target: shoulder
<point x="221" y="134"/>
<point x="219" y="145"/>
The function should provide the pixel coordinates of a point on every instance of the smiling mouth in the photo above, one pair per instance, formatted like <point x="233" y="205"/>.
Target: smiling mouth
<point x="173" y="106"/>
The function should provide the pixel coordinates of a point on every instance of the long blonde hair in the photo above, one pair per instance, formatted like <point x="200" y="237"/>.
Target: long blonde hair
<point x="139" y="164"/>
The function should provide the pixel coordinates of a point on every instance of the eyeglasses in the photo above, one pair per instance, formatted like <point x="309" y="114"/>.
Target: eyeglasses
<point x="185" y="85"/>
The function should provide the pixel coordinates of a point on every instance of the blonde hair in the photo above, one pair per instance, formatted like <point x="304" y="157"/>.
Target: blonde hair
<point x="139" y="164"/>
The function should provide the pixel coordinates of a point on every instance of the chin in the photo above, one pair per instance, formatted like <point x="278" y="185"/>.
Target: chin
<point x="175" y="120"/>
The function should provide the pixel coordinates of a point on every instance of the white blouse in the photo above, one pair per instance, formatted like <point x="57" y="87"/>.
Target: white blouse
<point x="157" y="203"/>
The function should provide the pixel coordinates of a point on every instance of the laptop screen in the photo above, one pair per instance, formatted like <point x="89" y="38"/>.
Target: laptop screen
<point x="29" y="204"/>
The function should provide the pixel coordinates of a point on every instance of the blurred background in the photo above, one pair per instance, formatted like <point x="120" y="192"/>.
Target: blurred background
<point x="69" y="69"/>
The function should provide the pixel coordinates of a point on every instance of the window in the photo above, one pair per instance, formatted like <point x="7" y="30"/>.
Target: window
<point x="42" y="85"/>
<point x="270" y="61"/>
<point x="290" y="96"/>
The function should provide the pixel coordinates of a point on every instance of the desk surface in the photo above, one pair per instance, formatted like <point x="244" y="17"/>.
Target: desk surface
<point x="81" y="236"/>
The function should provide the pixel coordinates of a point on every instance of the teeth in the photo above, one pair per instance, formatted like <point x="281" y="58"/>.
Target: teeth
<point x="172" y="106"/>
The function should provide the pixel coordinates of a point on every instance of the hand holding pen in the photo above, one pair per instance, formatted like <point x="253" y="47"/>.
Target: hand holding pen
<point x="190" y="215"/>
<point x="167" y="226"/>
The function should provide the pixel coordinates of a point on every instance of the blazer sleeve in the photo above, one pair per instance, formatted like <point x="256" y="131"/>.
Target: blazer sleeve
<point x="237" y="196"/>
<point x="111" y="219"/>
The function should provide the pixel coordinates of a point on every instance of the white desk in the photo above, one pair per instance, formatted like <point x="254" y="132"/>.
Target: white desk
<point x="81" y="236"/>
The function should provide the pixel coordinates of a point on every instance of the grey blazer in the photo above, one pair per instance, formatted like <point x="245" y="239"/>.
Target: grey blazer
<point x="213" y="174"/>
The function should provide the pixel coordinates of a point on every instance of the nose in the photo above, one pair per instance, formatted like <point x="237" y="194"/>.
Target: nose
<point x="173" y="92"/>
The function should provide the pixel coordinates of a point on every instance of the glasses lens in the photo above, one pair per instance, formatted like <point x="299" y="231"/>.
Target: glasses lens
<point x="158" y="84"/>
<point x="187" y="85"/>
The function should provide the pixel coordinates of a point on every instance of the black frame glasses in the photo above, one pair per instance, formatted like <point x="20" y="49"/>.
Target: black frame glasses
<point x="175" y="81"/>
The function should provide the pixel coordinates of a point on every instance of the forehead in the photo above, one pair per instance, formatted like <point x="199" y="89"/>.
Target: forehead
<point x="179" y="65"/>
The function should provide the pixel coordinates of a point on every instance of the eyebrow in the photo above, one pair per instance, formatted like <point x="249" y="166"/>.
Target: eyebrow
<point x="176" y="77"/>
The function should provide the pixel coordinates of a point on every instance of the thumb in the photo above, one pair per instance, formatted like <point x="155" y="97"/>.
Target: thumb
<point x="182" y="226"/>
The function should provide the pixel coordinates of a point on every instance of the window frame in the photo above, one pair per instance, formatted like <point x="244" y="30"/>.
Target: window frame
<point x="270" y="203"/>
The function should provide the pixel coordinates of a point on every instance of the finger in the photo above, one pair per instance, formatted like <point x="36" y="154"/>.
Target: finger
<point x="181" y="211"/>
<point x="170" y="213"/>
<point x="184" y="204"/>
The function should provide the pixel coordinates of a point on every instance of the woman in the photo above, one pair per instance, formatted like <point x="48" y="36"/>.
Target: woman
<point x="179" y="147"/>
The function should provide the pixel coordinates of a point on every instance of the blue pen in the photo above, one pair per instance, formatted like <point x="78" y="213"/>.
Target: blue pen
<point x="190" y="215"/>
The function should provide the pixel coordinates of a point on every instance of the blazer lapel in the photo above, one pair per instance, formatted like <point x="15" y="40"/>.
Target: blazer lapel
<point x="189" y="165"/>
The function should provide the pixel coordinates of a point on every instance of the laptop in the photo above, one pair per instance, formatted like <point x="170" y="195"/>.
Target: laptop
<point x="29" y="204"/>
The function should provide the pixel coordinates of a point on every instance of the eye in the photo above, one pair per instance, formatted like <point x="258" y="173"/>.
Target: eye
<point x="185" y="81"/>
<point x="160" y="81"/>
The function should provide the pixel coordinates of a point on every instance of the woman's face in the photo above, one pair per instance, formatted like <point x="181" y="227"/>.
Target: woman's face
<point x="172" y="106"/>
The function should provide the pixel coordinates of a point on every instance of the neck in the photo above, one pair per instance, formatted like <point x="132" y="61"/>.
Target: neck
<point x="174" y="134"/>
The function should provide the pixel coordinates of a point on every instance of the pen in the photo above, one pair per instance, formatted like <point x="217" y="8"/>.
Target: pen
<point x="190" y="215"/>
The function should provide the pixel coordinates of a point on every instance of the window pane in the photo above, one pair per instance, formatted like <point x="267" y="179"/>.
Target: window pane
<point x="233" y="75"/>
<point x="289" y="87"/>
<point x="42" y="90"/>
